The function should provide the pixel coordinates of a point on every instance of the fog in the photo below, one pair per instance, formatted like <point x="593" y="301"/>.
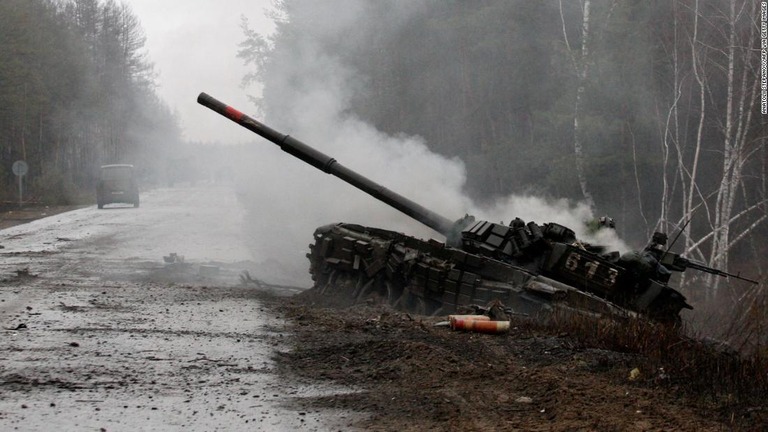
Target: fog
<point x="193" y="46"/>
<point x="308" y="96"/>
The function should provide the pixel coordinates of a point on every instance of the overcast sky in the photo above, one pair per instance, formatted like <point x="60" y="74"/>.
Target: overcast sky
<point x="193" y="44"/>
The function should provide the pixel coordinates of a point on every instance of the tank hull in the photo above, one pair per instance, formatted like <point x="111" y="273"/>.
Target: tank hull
<point x="428" y="277"/>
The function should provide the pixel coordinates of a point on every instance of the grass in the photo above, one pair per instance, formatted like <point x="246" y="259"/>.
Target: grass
<point x="731" y="370"/>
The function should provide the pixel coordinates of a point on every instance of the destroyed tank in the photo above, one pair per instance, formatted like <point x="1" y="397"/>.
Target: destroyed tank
<point x="529" y="267"/>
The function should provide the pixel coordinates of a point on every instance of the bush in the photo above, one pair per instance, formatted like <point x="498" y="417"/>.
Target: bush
<point x="54" y="188"/>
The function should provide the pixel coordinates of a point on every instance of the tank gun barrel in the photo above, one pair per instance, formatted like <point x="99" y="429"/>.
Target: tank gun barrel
<point x="678" y="263"/>
<point x="329" y="165"/>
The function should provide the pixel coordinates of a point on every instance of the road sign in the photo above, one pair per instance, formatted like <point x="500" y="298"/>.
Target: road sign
<point x="20" y="167"/>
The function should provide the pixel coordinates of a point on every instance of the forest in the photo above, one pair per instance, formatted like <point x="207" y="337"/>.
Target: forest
<point x="76" y="92"/>
<point x="646" y="111"/>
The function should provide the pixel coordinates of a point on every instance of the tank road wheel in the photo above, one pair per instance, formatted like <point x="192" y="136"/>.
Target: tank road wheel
<point x="330" y="281"/>
<point x="364" y="290"/>
<point x="398" y="299"/>
<point x="417" y="305"/>
<point x="409" y="302"/>
<point x="393" y="292"/>
<point x="380" y="288"/>
<point x="340" y="288"/>
<point x="432" y="307"/>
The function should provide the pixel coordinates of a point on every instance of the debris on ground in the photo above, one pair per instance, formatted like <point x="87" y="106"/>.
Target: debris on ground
<point x="24" y="273"/>
<point x="478" y="324"/>
<point x="247" y="281"/>
<point x="174" y="258"/>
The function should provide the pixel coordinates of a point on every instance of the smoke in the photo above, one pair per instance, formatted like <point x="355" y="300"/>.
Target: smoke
<point x="562" y="211"/>
<point x="307" y="95"/>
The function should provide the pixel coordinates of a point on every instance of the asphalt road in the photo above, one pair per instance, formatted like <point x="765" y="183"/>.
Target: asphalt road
<point x="101" y="332"/>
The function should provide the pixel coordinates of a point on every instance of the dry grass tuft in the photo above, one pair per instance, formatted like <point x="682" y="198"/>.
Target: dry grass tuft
<point x="703" y="368"/>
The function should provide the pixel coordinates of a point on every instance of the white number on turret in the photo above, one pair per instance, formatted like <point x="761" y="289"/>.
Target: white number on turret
<point x="591" y="269"/>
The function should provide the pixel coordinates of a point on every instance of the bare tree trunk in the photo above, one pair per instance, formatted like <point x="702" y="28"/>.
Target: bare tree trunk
<point x="24" y="126"/>
<point x="670" y="135"/>
<point x="741" y="91"/>
<point x="697" y="63"/>
<point x="724" y="203"/>
<point x="729" y="62"/>
<point x="735" y="151"/>
<point x="582" y="73"/>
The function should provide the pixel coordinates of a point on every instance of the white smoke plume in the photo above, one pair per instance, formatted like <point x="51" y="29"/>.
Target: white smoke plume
<point x="308" y="97"/>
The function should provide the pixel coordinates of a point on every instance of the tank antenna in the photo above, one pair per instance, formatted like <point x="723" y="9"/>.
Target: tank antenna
<point x="680" y="231"/>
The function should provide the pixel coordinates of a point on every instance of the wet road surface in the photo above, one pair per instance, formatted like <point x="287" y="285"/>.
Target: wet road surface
<point x="100" y="332"/>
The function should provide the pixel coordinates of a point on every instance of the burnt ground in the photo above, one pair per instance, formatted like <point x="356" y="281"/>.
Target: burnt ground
<point x="411" y="375"/>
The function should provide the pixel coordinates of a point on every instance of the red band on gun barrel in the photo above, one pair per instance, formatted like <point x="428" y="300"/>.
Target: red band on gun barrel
<point x="233" y="113"/>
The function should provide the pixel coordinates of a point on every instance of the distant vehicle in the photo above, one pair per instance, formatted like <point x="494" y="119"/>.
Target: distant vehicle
<point x="117" y="184"/>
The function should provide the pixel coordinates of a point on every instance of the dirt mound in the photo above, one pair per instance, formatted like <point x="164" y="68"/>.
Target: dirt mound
<point x="413" y="375"/>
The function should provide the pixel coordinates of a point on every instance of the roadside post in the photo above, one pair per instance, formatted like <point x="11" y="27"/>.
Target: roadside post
<point x="20" y="169"/>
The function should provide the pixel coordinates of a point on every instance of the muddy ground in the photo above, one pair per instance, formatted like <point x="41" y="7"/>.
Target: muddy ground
<point x="127" y="319"/>
<point x="412" y="375"/>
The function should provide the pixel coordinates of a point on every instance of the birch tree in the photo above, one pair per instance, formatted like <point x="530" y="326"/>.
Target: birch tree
<point x="718" y="50"/>
<point x="581" y="67"/>
<point x="738" y="145"/>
